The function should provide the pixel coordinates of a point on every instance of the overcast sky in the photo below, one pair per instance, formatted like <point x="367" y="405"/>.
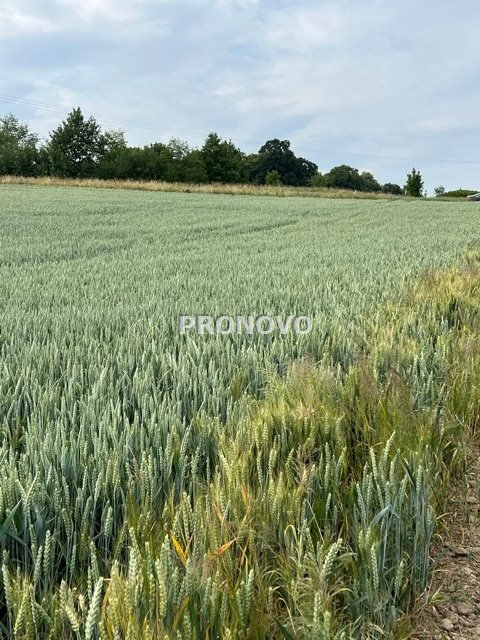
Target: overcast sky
<point x="382" y="85"/>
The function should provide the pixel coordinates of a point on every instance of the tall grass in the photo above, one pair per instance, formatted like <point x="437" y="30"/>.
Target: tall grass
<point x="184" y="187"/>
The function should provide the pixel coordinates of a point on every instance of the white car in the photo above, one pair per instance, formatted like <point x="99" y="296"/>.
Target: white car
<point x="475" y="196"/>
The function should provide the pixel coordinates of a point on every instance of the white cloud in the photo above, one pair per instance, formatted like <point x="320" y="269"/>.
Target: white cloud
<point x="300" y="31"/>
<point x="16" y="20"/>
<point x="110" y="10"/>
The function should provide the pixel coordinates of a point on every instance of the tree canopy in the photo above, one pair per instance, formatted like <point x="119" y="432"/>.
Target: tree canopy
<point x="78" y="145"/>
<point x="394" y="189"/>
<point x="222" y="161"/>
<point x="79" y="148"/>
<point x="19" y="154"/>
<point x="414" y="184"/>
<point x="276" y="155"/>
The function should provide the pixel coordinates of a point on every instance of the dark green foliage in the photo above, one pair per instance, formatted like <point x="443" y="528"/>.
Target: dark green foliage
<point x="172" y="162"/>
<point x="276" y="155"/>
<point x="317" y="180"/>
<point x="343" y="177"/>
<point x="193" y="168"/>
<point x="346" y="177"/>
<point x="222" y="161"/>
<point x="369" y="183"/>
<point x="459" y="193"/>
<point x="135" y="163"/>
<point x="19" y="155"/>
<point x="273" y="178"/>
<point x="392" y="188"/>
<point x="77" y="147"/>
<point x="414" y="184"/>
<point x="306" y="169"/>
<point x="183" y="164"/>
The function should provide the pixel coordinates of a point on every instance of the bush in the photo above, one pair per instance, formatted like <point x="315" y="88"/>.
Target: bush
<point x="392" y="188"/>
<point x="343" y="177"/>
<point x="317" y="181"/>
<point x="273" y="178"/>
<point x="460" y="193"/>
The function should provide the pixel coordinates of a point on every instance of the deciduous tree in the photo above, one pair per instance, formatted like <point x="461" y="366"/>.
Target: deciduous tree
<point x="76" y="148"/>
<point x="414" y="184"/>
<point x="222" y="160"/>
<point x="276" y="155"/>
<point x="19" y="153"/>
<point x="392" y="188"/>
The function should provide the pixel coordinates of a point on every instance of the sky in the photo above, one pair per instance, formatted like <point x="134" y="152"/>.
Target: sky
<point x="381" y="85"/>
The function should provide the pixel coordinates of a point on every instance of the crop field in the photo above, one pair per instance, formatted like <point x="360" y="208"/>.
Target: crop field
<point x="180" y="486"/>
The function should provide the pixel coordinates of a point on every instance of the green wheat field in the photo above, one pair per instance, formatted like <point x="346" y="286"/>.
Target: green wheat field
<point x="158" y="485"/>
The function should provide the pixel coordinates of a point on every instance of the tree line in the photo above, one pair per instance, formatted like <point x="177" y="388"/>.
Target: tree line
<point x="79" y="148"/>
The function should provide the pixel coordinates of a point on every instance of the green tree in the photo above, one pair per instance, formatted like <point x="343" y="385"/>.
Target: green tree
<point x="317" y="180"/>
<point x="186" y="164"/>
<point x="179" y="149"/>
<point x="276" y="155"/>
<point x="369" y="183"/>
<point x="305" y="170"/>
<point x="137" y="163"/>
<point x="222" y="160"/>
<point x="343" y="177"/>
<point x="273" y="178"/>
<point x="193" y="168"/>
<point x="76" y="148"/>
<point x="112" y="145"/>
<point x="112" y="142"/>
<point x="252" y="163"/>
<point x="392" y="188"/>
<point x="414" y="184"/>
<point x="19" y="154"/>
<point x="439" y="191"/>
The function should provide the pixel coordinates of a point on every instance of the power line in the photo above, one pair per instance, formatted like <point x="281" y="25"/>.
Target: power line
<point x="150" y="126"/>
<point x="44" y="106"/>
